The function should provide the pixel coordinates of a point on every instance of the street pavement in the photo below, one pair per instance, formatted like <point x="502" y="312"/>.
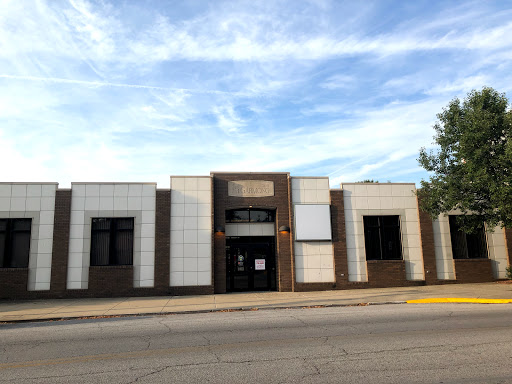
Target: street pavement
<point x="420" y="343"/>
<point x="40" y="310"/>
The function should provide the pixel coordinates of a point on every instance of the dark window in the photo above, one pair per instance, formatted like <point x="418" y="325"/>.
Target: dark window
<point x="237" y="216"/>
<point x="250" y="216"/>
<point x="112" y="241"/>
<point x="14" y="242"/>
<point x="467" y="245"/>
<point x="382" y="237"/>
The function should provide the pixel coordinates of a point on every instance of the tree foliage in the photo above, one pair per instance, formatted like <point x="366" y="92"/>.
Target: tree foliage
<point x="471" y="166"/>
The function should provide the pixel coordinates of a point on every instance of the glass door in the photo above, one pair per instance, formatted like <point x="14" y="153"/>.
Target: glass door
<point x="260" y="256"/>
<point x="250" y="265"/>
<point x="240" y="268"/>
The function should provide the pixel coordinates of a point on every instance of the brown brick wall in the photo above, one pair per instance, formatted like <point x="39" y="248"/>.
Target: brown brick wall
<point x="280" y="201"/>
<point x="192" y="290"/>
<point x="508" y="239"/>
<point x="162" y="239"/>
<point x="61" y="227"/>
<point x="110" y="280"/>
<point x="287" y="277"/>
<point x="219" y="261"/>
<point x="388" y="273"/>
<point x="308" y="287"/>
<point x="428" y="247"/>
<point x="339" y="238"/>
<point x="473" y="270"/>
<point x="13" y="283"/>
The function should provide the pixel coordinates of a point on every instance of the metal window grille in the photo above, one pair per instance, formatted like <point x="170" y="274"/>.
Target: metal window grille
<point x="382" y="237"/>
<point x="467" y="245"/>
<point x="112" y="241"/>
<point x="14" y="242"/>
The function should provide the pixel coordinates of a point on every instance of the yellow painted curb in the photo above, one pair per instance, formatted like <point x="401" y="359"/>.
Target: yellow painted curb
<point x="459" y="300"/>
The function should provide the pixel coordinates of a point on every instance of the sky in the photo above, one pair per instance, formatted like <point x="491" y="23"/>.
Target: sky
<point x="141" y="90"/>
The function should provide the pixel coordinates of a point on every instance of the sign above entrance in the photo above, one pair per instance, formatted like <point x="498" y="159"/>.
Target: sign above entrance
<point x="250" y="188"/>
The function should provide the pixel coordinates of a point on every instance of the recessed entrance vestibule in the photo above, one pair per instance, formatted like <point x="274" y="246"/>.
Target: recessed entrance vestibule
<point x="250" y="250"/>
<point x="250" y="264"/>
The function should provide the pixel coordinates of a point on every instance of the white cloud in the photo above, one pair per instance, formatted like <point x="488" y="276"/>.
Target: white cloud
<point x="99" y="35"/>
<point x="88" y="92"/>
<point x="338" y="82"/>
<point x="461" y="85"/>
<point x="227" y="119"/>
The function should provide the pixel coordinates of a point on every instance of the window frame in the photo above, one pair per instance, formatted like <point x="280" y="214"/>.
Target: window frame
<point x="9" y="234"/>
<point x="271" y="215"/>
<point x="459" y="241"/>
<point x="114" y="253"/>
<point x="381" y="227"/>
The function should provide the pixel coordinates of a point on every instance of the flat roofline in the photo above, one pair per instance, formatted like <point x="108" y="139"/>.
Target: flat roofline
<point x="29" y="183"/>
<point x="355" y="183"/>
<point x="195" y="177"/>
<point x="249" y="173"/>
<point x="114" y="182"/>
<point x="310" y="177"/>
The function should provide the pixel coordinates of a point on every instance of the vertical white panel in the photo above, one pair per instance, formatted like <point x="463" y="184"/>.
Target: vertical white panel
<point x="90" y="200"/>
<point x="191" y="231"/>
<point x="35" y="201"/>
<point x="443" y="249"/>
<point x="314" y="260"/>
<point x="498" y="252"/>
<point x="376" y="199"/>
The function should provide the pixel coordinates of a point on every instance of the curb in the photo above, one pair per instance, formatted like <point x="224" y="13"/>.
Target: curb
<point x="234" y="309"/>
<point x="248" y="309"/>
<point x="460" y="300"/>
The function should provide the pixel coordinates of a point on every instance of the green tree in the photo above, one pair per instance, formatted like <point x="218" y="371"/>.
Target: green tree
<point x="368" y="181"/>
<point x="471" y="165"/>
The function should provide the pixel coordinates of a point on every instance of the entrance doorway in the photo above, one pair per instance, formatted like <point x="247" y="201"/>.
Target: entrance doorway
<point x="250" y="264"/>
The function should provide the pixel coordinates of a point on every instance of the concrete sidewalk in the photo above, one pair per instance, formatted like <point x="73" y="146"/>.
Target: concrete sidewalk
<point x="13" y="311"/>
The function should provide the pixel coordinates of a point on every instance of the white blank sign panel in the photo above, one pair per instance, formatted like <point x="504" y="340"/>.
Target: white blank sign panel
<point x="313" y="222"/>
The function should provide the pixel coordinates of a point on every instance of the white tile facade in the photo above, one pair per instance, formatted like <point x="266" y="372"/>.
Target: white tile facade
<point x="365" y="199"/>
<point x="496" y="249"/>
<point x="191" y="231"/>
<point x="443" y="249"/>
<point x="35" y="201"/>
<point x="250" y="229"/>
<point x="314" y="260"/>
<point x="90" y="200"/>
<point x="498" y="252"/>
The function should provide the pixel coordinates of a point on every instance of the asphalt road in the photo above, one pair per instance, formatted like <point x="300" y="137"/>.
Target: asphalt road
<point x="425" y="343"/>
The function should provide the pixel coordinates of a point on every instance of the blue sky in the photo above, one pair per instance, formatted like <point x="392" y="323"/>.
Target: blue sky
<point x="140" y="90"/>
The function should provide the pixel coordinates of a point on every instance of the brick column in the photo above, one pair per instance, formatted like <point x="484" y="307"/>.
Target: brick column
<point x="285" y="262"/>
<point x="508" y="239"/>
<point x="61" y="228"/>
<point x="162" y="239"/>
<point x="339" y="238"/>
<point x="428" y="247"/>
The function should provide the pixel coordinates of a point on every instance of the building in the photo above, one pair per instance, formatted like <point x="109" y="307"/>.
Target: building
<point x="231" y="232"/>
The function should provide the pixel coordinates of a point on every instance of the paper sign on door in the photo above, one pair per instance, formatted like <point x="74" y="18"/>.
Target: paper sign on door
<point x="259" y="264"/>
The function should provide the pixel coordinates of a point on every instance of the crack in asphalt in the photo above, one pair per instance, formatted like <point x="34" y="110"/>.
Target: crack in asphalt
<point x="330" y="347"/>
<point x="74" y="375"/>
<point x="153" y="372"/>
